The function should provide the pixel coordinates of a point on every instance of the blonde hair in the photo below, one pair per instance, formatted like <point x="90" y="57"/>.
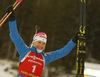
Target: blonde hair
<point x="31" y="44"/>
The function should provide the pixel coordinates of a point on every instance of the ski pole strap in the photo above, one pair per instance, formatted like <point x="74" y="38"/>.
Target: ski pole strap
<point x="17" y="2"/>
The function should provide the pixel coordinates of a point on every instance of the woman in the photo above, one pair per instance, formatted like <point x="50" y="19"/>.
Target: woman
<point x="33" y="59"/>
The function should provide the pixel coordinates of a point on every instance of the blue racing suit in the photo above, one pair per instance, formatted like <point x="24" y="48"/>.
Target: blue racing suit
<point x="23" y="49"/>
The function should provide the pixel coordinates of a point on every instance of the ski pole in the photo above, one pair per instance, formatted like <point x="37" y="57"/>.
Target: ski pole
<point x="4" y="18"/>
<point x="81" y="42"/>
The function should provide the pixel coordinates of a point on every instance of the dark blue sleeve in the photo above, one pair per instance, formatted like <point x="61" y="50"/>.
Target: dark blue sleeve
<point x="17" y="40"/>
<point x="59" y="53"/>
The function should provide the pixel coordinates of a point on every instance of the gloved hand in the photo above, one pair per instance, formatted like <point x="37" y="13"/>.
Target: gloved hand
<point x="12" y="16"/>
<point x="75" y="38"/>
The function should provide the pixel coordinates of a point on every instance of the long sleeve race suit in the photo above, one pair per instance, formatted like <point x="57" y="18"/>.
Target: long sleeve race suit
<point x="31" y="62"/>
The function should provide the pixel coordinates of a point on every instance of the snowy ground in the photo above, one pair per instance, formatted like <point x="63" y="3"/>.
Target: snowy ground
<point x="8" y="68"/>
<point x="92" y="69"/>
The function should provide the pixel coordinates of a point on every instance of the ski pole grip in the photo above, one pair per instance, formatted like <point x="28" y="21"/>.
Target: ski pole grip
<point x="19" y="0"/>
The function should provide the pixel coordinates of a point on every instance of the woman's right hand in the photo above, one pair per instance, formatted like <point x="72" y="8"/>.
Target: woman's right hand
<point x="10" y="9"/>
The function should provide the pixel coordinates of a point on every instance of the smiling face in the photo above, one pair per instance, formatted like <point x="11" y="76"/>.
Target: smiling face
<point x="40" y="45"/>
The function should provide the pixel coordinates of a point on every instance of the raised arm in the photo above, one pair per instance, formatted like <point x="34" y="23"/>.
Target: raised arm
<point x="15" y="37"/>
<point x="54" y="55"/>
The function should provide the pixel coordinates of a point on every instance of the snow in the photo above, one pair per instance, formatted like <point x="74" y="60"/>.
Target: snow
<point x="92" y="69"/>
<point x="92" y="65"/>
<point x="8" y="68"/>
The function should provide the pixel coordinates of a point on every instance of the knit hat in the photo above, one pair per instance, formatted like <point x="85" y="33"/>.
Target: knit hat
<point x="40" y="36"/>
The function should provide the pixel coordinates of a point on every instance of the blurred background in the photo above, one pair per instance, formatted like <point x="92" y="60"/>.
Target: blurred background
<point x="59" y="19"/>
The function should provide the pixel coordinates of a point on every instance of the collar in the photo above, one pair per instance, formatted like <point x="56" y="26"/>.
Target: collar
<point x="33" y="49"/>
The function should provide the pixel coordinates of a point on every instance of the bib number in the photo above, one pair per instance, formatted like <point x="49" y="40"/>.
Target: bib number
<point x="34" y="67"/>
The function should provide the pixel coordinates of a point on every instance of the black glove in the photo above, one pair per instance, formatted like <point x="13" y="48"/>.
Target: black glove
<point x="12" y="16"/>
<point x="75" y="38"/>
